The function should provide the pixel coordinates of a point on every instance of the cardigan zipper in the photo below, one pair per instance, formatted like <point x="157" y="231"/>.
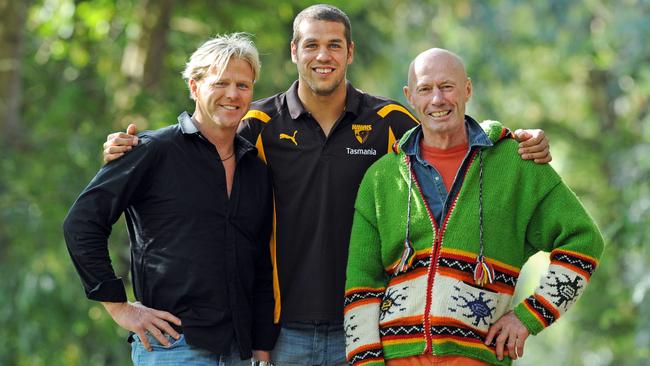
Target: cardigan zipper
<point x="435" y="251"/>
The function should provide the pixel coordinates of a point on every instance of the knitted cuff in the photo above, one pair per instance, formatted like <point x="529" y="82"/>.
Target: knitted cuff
<point x="530" y="316"/>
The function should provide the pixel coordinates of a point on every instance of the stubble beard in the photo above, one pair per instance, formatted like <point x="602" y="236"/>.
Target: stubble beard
<point x="324" y="91"/>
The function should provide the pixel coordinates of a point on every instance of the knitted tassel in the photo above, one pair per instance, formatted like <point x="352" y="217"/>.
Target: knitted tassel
<point x="483" y="272"/>
<point x="407" y="258"/>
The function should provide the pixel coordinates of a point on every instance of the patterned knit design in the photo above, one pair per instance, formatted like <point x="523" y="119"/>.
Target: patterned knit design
<point x="527" y="208"/>
<point x="368" y="357"/>
<point x="574" y="261"/>
<point x="461" y="265"/>
<point x="363" y="295"/>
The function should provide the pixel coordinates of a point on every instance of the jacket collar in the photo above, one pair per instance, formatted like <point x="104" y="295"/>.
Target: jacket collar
<point x="410" y="143"/>
<point x="242" y="146"/>
<point x="296" y="108"/>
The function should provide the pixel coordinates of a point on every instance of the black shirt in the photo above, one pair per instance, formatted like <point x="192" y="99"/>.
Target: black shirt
<point x="315" y="179"/>
<point x="195" y="252"/>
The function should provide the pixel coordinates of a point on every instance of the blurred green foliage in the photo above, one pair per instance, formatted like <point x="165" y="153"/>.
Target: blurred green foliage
<point x="579" y="70"/>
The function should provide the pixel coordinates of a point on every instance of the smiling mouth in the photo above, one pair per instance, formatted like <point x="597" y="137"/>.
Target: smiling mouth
<point x="230" y="107"/>
<point x="438" y="114"/>
<point x="323" y="70"/>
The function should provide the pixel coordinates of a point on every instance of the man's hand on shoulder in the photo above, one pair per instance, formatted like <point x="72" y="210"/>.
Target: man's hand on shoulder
<point x="119" y="143"/>
<point x="533" y="145"/>
<point x="139" y="319"/>
<point x="509" y="332"/>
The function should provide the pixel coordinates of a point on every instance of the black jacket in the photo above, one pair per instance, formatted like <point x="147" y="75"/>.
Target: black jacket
<point x="195" y="252"/>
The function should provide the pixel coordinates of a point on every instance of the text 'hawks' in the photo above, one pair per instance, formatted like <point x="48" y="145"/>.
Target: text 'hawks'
<point x="361" y="132"/>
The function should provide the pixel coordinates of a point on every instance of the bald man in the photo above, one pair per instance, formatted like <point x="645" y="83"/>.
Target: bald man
<point x="442" y="228"/>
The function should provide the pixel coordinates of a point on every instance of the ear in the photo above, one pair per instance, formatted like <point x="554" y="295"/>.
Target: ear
<point x="407" y="94"/>
<point x="468" y="88"/>
<point x="193" y="88"/>
<point x="350" y="52"/>
<point x="294" y="52"/>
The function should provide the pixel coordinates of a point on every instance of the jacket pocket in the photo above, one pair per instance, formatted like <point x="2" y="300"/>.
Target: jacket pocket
<point x="467" y="305"/>
<point x="404" y="298"/>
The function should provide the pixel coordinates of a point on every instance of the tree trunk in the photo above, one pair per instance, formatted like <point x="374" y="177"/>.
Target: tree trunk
<point x="143" y="57"/>
<point x="12" y="21"/>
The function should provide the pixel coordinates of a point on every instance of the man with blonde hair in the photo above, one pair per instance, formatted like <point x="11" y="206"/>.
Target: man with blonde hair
<point x="198" y="206"/>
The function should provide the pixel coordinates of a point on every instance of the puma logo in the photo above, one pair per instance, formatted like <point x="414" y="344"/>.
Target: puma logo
<point x="284" y="136"/>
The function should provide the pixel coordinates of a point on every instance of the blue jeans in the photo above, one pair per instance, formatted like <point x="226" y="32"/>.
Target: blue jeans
<point x="181" y="353"/>
<point x="304" y="344"/>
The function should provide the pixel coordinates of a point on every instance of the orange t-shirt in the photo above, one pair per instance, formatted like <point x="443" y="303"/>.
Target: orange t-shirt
<point x="429" y="360"/>
<point x="446" y="161"/>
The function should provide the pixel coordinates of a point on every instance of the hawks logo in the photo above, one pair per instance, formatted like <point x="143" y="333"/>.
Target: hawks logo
<point x="361" y="132"/>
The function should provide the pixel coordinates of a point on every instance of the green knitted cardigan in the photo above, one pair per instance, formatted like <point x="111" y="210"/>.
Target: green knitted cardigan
<point x="526" y="208"/>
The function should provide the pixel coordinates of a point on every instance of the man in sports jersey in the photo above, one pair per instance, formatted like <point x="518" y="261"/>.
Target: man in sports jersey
<point x="318" y="138"/>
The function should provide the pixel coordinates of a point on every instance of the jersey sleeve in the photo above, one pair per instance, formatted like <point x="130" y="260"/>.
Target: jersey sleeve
<point x="399" y="118"/>
<point x="252" y="124"/>
<point x="251" y="128"/>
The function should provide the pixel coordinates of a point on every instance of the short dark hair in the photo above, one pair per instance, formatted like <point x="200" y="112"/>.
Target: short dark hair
<point x="325" y="12"/>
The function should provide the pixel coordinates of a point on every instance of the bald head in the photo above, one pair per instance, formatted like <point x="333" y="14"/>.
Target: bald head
<point x="439" y="57"/>
<point x="438" y="89"/>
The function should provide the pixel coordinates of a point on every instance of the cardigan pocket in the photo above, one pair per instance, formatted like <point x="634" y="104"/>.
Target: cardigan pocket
<point x="404" y="297"/>
<point x="469" y="306"/>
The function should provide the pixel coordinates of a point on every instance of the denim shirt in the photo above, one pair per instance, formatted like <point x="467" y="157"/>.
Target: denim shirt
<point x="429" y="179"/>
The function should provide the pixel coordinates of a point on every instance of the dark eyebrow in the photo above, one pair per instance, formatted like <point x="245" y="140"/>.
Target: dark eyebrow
<point x="334" y="40"/>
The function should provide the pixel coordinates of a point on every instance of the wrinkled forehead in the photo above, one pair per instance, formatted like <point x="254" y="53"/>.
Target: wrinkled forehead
<point x="438" y="68"/>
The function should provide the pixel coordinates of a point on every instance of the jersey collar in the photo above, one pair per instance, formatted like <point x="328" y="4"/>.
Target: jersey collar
<point x="353" y="99"/>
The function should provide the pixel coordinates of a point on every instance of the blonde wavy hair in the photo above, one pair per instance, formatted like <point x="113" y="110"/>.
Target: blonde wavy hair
<point x="217" y="52"/>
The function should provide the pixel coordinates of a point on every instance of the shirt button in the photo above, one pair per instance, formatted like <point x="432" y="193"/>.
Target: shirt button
<point x="437" y="178"/>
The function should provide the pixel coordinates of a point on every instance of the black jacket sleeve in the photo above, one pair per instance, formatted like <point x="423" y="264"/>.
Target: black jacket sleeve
<point x="88" y="224"/>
